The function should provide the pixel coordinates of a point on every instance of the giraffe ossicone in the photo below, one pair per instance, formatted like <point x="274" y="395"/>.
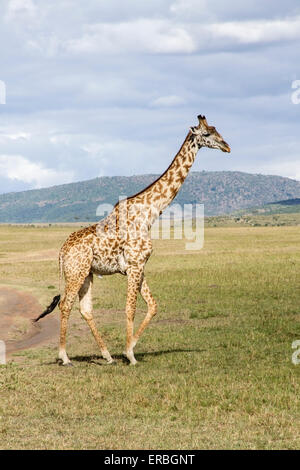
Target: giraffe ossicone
<point x="120" y="243"/>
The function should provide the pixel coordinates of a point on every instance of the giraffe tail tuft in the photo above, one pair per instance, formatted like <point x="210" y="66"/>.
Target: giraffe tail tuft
<point x="49" y="309"/>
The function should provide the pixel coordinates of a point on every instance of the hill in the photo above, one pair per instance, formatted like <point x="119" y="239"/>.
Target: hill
<point x="221" y="192"/>
<point x="288" y="206"/>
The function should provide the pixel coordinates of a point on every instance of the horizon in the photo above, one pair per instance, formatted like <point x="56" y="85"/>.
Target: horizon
<point x="143" y="174"/>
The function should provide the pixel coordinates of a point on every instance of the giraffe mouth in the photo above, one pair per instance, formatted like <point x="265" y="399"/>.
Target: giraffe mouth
<point x="225" y="147"/>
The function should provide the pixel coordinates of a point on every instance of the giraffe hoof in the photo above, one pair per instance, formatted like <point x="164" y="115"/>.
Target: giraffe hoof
<point x="111" y="362"/>
<point x="68" y="364"/>
<point x="107" y="357"/>
<point x="130" y="357"/>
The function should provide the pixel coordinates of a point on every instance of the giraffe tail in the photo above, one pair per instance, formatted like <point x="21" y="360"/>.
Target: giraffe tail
<point x="60" y="270"/>
<point x="49" y="309"/>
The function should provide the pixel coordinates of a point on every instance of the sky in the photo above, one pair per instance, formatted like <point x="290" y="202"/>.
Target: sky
<point x="111" y="87"/>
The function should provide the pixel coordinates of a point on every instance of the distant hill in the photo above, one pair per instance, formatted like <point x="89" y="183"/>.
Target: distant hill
<point x="222" y="192"/>
<point x="288" y="206"/>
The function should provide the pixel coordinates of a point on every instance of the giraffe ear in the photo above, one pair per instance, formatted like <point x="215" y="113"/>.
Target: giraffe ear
<point x="202" y="122"/>
<point x="194" y="130"/>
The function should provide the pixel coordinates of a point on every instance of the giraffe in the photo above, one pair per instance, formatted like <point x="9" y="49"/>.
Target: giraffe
<point x="120" y="243"/>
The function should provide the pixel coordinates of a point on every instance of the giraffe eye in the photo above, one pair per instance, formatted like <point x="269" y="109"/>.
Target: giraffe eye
<point x="205" y="135"/>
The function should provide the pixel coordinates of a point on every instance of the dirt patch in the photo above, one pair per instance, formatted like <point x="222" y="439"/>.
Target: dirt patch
<point x="16" y="328"/>
<point x="42" y="255"/>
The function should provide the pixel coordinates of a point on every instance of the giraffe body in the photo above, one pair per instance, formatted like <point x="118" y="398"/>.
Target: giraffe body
<point x="121" y="243"/>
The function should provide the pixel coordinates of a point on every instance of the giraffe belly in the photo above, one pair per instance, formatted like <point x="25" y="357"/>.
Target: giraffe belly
<point x="106" y="266"/>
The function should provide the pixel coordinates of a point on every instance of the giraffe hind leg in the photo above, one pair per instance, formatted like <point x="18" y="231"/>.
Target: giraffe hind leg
<point x="152" y="309"/>
<point x="65" y="308"/>
<point x="135" y="277"/>
<point x="75" y="264"/>
<point x="86" y="310"/>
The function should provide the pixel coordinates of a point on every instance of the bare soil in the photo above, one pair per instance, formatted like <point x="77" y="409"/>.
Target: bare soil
<point x="17" y="309"/>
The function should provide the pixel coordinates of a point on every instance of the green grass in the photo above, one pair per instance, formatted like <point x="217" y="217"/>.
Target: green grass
<point x="214" y="367"/>
<point x="256" y="218"/>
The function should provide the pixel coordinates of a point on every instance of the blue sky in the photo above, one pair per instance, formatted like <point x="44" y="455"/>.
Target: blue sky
<point x="110" y="87"/>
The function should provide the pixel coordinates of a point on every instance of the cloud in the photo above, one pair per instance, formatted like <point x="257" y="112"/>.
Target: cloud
<point x="288" y="166"/>
<point x="16" y="136"/>
<point x="142" y="35"/>
<point x="212" y="11"/>
<point x="168" y="101"/>
<point x="165" y="36"/>
<point x="189" y="9"/>
<point x="18" y="9"/>
<point x="252" y="32"/>
<point x="16" y="167"/>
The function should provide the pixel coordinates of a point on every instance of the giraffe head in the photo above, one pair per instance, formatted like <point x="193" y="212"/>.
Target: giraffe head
<point x="207" y="136"/>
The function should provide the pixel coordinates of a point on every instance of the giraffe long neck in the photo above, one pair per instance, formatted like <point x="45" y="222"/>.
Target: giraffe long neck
<point x="162" y="192"/>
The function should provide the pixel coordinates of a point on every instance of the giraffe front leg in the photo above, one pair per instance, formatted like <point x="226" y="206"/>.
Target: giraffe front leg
<point x="135" y="276"/>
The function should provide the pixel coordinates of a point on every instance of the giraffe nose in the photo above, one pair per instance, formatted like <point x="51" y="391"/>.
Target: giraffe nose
<point x="226" y="147"/>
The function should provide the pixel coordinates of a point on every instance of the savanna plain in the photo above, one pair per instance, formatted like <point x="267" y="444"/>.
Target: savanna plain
<point x="214" y="367"/>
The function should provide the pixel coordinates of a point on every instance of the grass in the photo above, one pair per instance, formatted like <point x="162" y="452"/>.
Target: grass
<point x="255" y="218"/>
<point x="214" y="367"/>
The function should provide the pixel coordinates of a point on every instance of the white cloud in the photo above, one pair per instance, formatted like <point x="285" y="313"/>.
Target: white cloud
<point x="168" y="101"/>
<point x="16" y="136"/>
<point x="190" y="8"/>
<point x="169" y="36"/>
<point x="16" y="167"/>
<point x="288" y="168"/>
<point x="250" y="32"/>
<point x="141" y="35"/>
<point x="61" y="139"/>
<point x="20" y="8"/>
<point x="94" y="148"/>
